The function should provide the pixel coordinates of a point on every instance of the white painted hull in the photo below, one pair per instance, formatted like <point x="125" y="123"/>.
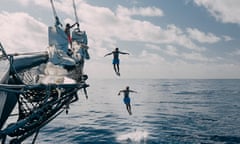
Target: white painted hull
<point x="4" y="70"/>
<point x="4" y="75"/>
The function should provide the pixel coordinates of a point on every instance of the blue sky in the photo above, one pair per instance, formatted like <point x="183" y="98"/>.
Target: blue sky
<point x="165" y="39"/>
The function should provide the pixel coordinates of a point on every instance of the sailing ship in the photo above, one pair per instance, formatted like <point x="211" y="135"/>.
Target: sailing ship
<point x="41" y="85"/>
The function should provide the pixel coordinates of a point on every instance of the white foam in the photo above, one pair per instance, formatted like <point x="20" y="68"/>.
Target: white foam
<point x="136" y="136"/>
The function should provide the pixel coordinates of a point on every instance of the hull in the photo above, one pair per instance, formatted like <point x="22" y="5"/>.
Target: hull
<point x="5" y="102"/>
<point x="8" y="100"/>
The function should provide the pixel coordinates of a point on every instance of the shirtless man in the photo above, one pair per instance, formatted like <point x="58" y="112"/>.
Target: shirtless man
<point x="67" y="32"/>
<point x="126" y="98"/>
<point x="116" y="60"/>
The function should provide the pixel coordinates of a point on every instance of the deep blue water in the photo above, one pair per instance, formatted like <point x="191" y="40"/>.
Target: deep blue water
<point x="164" y="111"/>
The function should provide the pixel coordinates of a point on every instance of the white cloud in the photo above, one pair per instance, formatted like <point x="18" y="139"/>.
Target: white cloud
<point x="150" y="58"/>
<point x="59" y="5"/>
<point x="152" y="46"/>
<point x="43" y="3"/>
<point x="177" y="36"/>
<point x="201" y="36"/>
<point x="103" y="24"/>
<point x="21" y="33"/>
<point x="141" y="11"/>
<point x="186" y="56"/>
<point x="195" y="56"/>
<point x="171" y="50"/>
<point x="226" y="11"/>
<point x="114" y="25"/>
<point x="235" y="53"/>
<point x="227" y="38"/>
<point x="24" y="2"/>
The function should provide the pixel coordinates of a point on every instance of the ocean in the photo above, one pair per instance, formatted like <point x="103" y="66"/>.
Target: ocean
<point x="164" y="111"/>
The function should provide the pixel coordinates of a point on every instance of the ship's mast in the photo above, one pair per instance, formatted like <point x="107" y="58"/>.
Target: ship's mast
<point x="53" y="8"/>
<point x="75" y="11"/>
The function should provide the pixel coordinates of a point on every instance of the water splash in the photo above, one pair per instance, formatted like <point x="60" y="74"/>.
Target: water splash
<point x="136" y="136"/>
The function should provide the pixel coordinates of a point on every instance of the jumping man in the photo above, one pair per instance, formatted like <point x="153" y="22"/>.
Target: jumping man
<point x="126" y="98"/>
<point x="116" y="60"/>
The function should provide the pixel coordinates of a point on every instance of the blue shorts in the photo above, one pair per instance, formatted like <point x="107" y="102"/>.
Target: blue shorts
<point x="115" y="61"/>
<point x="126" y="100"/>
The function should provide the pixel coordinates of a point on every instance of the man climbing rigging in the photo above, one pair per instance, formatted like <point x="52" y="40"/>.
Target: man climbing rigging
<point x="68" y="32"/>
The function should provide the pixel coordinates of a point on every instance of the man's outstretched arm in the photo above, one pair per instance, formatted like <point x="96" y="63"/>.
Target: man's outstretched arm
<point x="120" y="92"/>
<point x="108" y="54"/>
<point x="132" y="91"/>
<point x="124" y="53"/>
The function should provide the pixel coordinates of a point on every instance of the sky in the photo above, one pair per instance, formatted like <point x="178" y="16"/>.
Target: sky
<point x="166" y="39"/>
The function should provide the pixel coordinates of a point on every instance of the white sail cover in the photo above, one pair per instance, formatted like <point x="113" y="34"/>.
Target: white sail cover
<point x="79" y="36"/>
<point x="58" y="47"/>
<point x="58" y="38"/>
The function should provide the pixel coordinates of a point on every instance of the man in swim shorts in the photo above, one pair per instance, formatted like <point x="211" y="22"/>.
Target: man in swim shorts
<point x="67" y="32"/>
<point x="116" y="60"/>
<point x="126" y="98"/>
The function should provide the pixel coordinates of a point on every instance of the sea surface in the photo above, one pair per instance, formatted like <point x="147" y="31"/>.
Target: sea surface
<point x="164" y="111"/>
